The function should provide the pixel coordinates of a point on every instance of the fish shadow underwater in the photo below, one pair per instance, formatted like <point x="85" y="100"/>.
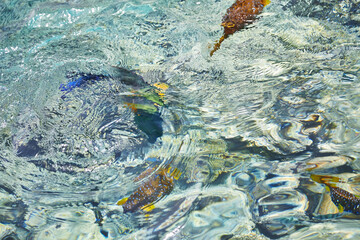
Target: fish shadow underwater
<point x="94" y="106"/>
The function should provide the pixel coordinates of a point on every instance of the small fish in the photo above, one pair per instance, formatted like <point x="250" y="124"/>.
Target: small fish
<point x="147" y="116"/>
<point x="239" y="15"/>
<point x="344" y="200"/>
<point x="80" y="79"/>
<point x="158" y="185"/>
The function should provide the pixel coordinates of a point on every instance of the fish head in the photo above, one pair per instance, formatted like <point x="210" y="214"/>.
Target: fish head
<point x="229" y="27"/>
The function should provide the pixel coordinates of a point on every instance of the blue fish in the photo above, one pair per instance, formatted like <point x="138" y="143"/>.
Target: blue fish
<point x="81" y="79"/>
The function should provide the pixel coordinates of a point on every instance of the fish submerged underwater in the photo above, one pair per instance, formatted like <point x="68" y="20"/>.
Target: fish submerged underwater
<point x="147" y="117"/>
<point x="159" y="183"/>
<point x="238" y="16"/>
<point x="344" y="200"/>
<point x="93" y="108"/>
<point x="144" y="102"/>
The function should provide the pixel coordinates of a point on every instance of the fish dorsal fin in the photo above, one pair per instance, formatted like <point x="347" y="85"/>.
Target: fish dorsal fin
<point x="145" y="174"/>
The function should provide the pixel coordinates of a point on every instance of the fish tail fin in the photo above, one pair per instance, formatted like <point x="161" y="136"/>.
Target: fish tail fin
<point x="122" y="201"/>
<point x="217" y="45"/>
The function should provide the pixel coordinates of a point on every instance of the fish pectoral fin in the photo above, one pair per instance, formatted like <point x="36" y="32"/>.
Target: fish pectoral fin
<point x="341" y="208"/>
<point x="176" y="174"/>
<point x="148" y="208"/>
<point x="122" y="201"/>
<point x="266" y="2"/>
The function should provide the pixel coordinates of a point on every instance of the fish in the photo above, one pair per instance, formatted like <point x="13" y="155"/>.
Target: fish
<point x="147" y="116"/>
<point x="238" y="16"/>
<point x="80" y="79"/>
<point x="160" y="183"/>
<point x="344" y="200"/>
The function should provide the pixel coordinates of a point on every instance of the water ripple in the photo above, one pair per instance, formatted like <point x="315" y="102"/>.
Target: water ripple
<point x="246" y="127"/>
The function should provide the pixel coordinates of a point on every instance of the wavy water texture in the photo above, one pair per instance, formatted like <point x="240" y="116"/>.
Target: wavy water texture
<point x="246" y="128"/>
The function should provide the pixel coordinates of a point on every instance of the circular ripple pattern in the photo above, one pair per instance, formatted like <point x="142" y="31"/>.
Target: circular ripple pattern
<point x="246" y="129"/>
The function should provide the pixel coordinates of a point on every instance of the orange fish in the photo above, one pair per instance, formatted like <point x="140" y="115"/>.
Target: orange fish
<point x="239" y="15"/>
<point x="344" y="200"/>
<point x="158" y="185"/>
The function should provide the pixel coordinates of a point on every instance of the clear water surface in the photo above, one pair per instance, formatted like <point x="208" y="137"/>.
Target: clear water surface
<point x="247" y="128"/>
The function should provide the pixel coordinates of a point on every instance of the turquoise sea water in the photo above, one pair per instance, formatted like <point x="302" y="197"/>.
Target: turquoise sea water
<point x="248" y="128"/>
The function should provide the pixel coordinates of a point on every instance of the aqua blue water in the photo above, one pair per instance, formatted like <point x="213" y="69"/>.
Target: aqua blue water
<point x="83" y="116"/>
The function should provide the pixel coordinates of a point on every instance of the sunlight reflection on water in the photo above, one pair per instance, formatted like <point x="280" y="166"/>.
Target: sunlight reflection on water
<point x="245" y="127"/>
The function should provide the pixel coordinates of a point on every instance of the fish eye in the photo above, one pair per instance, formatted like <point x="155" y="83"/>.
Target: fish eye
<point x="230" y="25"/>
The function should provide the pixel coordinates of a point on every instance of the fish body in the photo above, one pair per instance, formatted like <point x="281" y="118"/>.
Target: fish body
<point x="157" y="186"/>
<point x="344" y="200"/>
<point x="79" y="80"/>
<point x="239" y="15"/>
<point x="147" y="117"/>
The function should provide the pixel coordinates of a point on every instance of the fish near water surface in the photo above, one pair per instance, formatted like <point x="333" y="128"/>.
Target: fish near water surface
<point x="145" y="99"/>
<point x="160" y="182"/>
<point x="79" y="79"/>
<point x="344" y="200"/>
<point x="147" y="116"/>
<point x="239" y="15"/>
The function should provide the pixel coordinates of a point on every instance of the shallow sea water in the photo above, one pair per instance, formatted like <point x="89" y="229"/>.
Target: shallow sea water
<point x="248" y="128"/>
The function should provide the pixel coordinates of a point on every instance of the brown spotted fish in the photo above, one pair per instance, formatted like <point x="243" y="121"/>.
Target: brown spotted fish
<point x="239" y="15"/>
<point x="344" y="200"/>
<point x="158" y="184"/>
